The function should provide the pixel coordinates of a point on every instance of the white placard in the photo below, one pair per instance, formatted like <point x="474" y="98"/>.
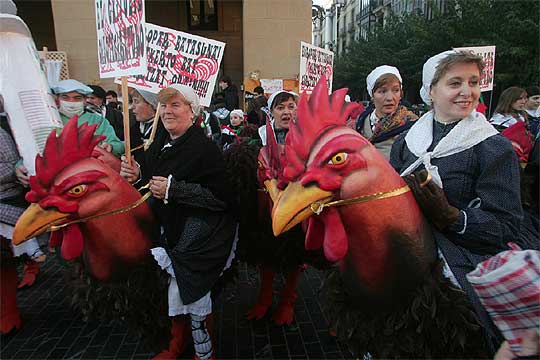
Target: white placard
<point x="120" y="37"/>
<point x="176" y="57"/>
<point x="488" y="54"/>
<point x="271" y="86"/>
<point x="314" y="63"/>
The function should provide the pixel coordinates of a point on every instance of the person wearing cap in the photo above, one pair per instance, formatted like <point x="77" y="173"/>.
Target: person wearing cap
<point x="473" y="197"/>
<point x="70" y="101"/>
<point x="144" y="107"/>
<point x="95" y="103"/>
<point x="386" y="118"/>
<point x="282" y="109"/>
<point x="192" y="203"/>
<point x="231" y="133"/>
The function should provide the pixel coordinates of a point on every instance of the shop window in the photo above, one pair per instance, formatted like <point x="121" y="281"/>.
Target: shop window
<point x="202" y="14"/>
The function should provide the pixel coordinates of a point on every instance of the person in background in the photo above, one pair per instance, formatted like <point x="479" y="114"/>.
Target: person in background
<point x="255" y="113"/>
<point x="511" y="120"/>
<point x="111" y="98"/>
<point x="220" y="111"/>
<point x="144" y="110"/>
<point x="532" y="108"/>
<point x="510" y="109"/>
<point x="230" y="133"/>
<point x="387" y="118"/>
<point x="70" y="101"/>
<point x="96" y="103"/>
<point x="230" y="91"/>
<point x="283" y="110"/>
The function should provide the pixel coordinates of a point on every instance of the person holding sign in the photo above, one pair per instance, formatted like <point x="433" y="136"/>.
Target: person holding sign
<point x="382" y="122"/>
<point x="192" y="202"/>
<point x="144" y="109"/>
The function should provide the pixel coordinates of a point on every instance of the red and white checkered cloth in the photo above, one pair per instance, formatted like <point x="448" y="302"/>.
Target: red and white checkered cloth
<point x="508" y="285"/>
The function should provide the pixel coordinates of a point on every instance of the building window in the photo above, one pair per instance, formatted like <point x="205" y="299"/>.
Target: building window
<point x="202" y="14"/>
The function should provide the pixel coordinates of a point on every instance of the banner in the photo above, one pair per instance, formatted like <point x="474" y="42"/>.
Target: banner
<point x="488" y="54"/>
<point x="314" y="63"/>
<point x="175" y="57"/>
<point x="120" y="36"/>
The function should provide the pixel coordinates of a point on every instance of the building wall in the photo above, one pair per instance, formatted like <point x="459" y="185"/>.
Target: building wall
<point x="273" y="30"/>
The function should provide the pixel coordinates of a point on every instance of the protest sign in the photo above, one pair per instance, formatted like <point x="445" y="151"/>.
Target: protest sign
<point x="120" y="37"/>
<point x="175" y="57"/>
<point x="488" y="54"/>
<point x="271" y="86"/>
<point x="314" y="63"/>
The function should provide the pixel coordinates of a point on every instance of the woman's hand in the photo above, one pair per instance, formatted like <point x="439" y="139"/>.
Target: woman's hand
<point x="22" y="175"/>
<point x="432" y="200"/>
<point x="158" y="186"/>
<point x="129" y="172"/>
<point x="106" y="146"/>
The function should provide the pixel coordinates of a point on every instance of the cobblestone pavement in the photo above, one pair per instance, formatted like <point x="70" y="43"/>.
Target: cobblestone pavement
<point x="52" y="330"/>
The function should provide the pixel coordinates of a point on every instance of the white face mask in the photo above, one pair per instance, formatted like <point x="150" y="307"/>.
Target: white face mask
<point x="71" y="109"/>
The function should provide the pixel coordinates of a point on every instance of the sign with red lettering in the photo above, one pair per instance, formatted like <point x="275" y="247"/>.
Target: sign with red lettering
<point x="314" y="63"/>
<point x="175" y="57"/>
<point x="488" y="74"/>
<point x="121" y="37"/>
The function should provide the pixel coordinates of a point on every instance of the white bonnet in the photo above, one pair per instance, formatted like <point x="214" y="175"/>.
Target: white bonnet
<point x="379" y="71"/>
<point x="428" y="72"/>
<point x="188" y="94"/>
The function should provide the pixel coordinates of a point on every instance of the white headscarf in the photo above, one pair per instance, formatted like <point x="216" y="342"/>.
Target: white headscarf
<point x="428" y="72"/>
<point x="379" y="71"/>
<point x="237" y="112"/>
<point x="273" y="96"/>
<point x="149" y="97"/>
<point x="188" y="94"/>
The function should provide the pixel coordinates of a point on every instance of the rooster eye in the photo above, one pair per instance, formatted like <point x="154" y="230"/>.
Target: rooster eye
<point x="78" y="190"/>
<point x="338" y="159"/>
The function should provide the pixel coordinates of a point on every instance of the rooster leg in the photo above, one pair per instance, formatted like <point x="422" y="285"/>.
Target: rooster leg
<point x="9" y="312"/>
<point x="265" y="295"/>
<point x="31" y="269"/>
<point x="285" y="311"/>
<point x="180" y="333"/>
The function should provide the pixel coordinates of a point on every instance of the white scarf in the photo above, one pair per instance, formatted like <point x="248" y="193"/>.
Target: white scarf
<point x="469" y="132"/>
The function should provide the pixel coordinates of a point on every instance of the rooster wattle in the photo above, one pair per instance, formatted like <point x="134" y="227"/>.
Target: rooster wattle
<point x="388" y="297"/>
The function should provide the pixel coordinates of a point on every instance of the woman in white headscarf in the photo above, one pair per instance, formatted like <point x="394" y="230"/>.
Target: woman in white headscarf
<point x="473" y="197"/>
<point x="386" y="118"/>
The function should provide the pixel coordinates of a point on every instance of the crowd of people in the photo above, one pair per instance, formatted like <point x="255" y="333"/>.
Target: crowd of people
<point x="475" y="180"/>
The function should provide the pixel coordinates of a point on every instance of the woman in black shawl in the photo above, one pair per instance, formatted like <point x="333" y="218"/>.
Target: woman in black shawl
<point x="191" y="202"/>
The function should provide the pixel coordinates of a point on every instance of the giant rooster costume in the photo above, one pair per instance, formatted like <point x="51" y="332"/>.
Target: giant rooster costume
<point x="387" y="296"/>
<point x="101" y="223"/>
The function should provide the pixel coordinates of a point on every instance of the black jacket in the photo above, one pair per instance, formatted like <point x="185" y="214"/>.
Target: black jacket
<point x="198" y="220"/>
<point x="231" y="97"/>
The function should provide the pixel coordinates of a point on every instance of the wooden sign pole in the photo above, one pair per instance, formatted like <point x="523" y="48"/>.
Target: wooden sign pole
<point x="125" y="107"/>
<point x="154" y="127"/>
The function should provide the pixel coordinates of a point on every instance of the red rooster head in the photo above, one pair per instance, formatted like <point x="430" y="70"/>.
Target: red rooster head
<point x="72" y="182"/>
<point x="328" y="162"/>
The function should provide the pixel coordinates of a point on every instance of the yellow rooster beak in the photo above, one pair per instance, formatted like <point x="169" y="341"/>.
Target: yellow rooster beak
<point x="293" y="205"/>
<point x="273" y="191"/>
<point x="35" y="221"/>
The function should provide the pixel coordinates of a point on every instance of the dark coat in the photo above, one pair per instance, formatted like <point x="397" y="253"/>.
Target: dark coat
<point x="231" y="97"/>
<point x="198" y="221"/>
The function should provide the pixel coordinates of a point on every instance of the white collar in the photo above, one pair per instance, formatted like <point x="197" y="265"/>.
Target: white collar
<point x="469" y="132"/>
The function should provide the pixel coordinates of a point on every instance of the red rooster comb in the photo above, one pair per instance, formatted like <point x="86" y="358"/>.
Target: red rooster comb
<point x="315" y="116"/>
<point x="73" y="144"/>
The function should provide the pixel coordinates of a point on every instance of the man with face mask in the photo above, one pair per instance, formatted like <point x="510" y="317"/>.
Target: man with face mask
<point x="71" y="101"/>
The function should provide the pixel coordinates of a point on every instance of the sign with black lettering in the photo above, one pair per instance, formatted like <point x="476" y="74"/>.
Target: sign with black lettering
<point x="314" y="63"/>
<point x="175" y="57"/>
<point x="121" y="37"/>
